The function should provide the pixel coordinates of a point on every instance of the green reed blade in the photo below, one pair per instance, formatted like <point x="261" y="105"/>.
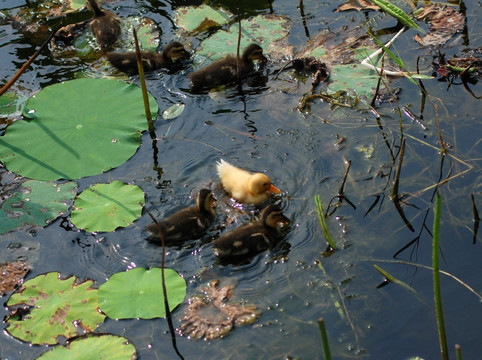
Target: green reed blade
<point x="324" y="339"/>
<point x="322" y="219"/>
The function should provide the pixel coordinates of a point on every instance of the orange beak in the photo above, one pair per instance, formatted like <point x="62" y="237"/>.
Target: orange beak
<point x="274" y="189"/>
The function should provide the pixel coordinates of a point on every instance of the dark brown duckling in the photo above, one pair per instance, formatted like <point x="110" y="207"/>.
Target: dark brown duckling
<point x="224" y="71"/>
<point x="187" y="224"/>
<point x="151" y="60"/>
<point x="105" y="25"/>
<point x="239" y="245"/>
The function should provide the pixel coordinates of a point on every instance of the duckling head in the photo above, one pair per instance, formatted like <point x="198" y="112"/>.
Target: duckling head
<point x="272" y="215"/>
<point x="254" y="52"/>
<point x="175" y="50"/>
<point x="260" y="184"/>
<point x="206" y="202"/>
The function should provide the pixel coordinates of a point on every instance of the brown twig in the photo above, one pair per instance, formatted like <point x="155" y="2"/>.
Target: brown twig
<point x="12" y="81"/>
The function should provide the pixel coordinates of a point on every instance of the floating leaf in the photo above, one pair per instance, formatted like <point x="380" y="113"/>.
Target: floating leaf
<point x="34" y="202"/>
<point x="173" y="111"/>
<point x="200" y="18"/>
<point x="57" y="308"/>
<point x="93" y="347"/>
<point x="105" y="207"/>
<point x="11" y="275"/>
<point x="263" y="30"/>
<point x="77" y="128"/>
<point x="137" y="293"/>
<point x="353" y="79"/>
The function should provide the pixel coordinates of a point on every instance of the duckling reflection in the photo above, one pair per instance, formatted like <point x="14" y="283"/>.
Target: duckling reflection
<point x="187" y="224"/>
<point x="224" y="71"/>
<point x="105" y="25"/>
<point x="127" y="61"/>
<point x="241" y="244"/>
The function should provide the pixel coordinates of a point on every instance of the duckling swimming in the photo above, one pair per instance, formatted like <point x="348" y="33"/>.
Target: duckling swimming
<point x="127" y="61"/>
<point x="187" y="224"/>
<point x="105" y="25"/>
<point x="244" y="242"/>
<point x="224" y="71"/>
<point x="244" y="186"/>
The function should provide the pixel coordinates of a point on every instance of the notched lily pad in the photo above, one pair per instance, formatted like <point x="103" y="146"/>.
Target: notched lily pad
<point x="200" y="18"/>
<point x="93" y="347"/>
<point x="47" y="307"/>
<point x="137" y="293"/>
<point x="76" y="128"/>
<point x="34" y="203"/>
<point x="105" y="207"/>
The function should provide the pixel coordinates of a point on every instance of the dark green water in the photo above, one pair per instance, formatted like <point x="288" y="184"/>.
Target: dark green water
<point x="299" y="153"/>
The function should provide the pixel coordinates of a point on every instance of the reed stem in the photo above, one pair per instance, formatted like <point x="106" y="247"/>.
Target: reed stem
<point x="436" y="279"/>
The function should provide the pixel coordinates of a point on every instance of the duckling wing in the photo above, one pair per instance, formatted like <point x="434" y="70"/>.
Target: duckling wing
<point x="187" y="224"/>
<point x="242" y="243"/>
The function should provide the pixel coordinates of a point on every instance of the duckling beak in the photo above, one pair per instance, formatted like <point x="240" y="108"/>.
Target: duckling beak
<point x="274" y="189"/>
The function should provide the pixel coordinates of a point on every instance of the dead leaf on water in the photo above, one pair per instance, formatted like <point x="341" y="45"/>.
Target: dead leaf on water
<point x="358" y="5"/>
<point x="444" y="23"/>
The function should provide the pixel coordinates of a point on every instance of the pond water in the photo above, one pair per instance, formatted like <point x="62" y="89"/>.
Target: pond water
<point x="261" y="129"/>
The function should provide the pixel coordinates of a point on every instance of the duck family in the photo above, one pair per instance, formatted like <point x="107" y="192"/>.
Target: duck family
<point x="193" y="222"/>
<point x="240" y="244"/>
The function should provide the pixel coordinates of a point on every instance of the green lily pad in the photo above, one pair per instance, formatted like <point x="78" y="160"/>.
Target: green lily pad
<point x="57" y="308"/>
<point x="264" y="30"/>
<point x="105" y="207"/>
<point x="34" y="202"/>
<point x="77" y="128"/>
<point x="355" y="79"/>
<point x="200" y="18"/>
<point x="137" y="293"/>
<point x="92" y="347"/>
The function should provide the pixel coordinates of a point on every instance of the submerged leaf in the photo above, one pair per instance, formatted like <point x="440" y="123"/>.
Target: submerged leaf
<point x="34" y="203"/>
<point x="57" y="308"/>
<point x="105" y="207"/>
<point x="137" y="293"/>
<point x="11" y="275"/>
<point x="444" y="23"/>
<point x="173" y="111"/>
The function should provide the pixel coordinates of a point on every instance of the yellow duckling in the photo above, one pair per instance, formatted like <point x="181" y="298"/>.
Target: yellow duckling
<point x="151" y="60"/>
<point x="224" y="71"/>
<point x="187" y="224"/>
<point x="244" y="186"/>
<point x="105" y="25"/>
<point x="242" y="243"/>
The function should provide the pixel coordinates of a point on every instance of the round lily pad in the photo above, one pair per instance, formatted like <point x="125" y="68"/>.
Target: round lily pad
<point x="74" y="129"/>
<point x="137" y="293"/>
<point x="57" y="308"/>
<point x="105" y="207"/>
<point x="92" y="347"/>
<point x="34" y="202"/>
<point x="200" y="18"/>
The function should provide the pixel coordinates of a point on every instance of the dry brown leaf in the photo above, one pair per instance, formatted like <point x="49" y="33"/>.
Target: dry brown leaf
<point x="12" y="274"/>
<point x="444" y="23"/>
<point x="358" y="5"/>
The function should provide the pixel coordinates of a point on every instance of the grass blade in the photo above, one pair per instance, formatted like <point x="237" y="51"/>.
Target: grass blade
<point x="324" y="339"/>
<point x="322" y="219"/>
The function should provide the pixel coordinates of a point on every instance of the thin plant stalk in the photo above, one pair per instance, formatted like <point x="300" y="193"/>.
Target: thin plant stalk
<point x="324" y="339"/>
<point x="142" y="79"/>
<point x="322" y="219"/>
<point x="164" y="288"/>
<point x="436" y="279"/>
<point x="458" y="352"/>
